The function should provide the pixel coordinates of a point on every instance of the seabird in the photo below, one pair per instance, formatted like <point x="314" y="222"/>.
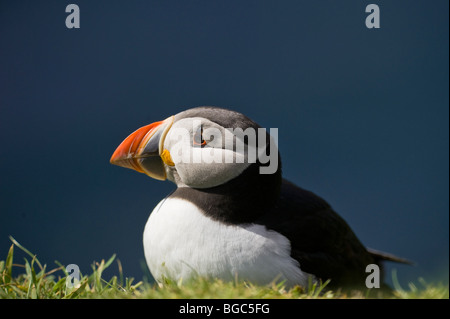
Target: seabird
<point x="227" y="219"/>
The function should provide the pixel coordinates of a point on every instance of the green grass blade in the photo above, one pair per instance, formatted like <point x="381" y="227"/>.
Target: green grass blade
<point x="15" y="242"/>
<point x="109" y="262"/>
<point x="8" y="265"/>
<point x="77" y="291"/>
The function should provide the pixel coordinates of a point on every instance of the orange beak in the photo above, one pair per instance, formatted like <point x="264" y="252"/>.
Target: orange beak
<point x="141" y="150"/>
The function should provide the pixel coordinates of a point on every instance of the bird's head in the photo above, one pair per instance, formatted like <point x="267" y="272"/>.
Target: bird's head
<point x="200" y="148"/>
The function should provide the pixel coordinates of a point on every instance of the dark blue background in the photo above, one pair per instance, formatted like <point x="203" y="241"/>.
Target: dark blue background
<point x="363" y="115"/>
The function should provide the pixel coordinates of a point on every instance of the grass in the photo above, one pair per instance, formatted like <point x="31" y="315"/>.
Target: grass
<point x="37" y="282"/>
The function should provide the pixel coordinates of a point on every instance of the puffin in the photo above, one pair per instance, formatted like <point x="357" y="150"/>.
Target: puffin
<point x="232" y="214"/>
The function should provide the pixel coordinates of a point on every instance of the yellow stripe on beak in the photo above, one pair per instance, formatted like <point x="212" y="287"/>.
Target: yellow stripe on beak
<point x="165" y="156"/>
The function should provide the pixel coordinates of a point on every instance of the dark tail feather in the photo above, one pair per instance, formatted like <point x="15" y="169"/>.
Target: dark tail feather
<point x="380" y="256"/>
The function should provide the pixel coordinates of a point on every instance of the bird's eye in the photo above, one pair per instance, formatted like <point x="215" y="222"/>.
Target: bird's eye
<point x="198" y="140"/>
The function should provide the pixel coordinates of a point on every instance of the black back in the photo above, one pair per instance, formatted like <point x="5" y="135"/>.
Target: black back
<point x="321" y="241"/>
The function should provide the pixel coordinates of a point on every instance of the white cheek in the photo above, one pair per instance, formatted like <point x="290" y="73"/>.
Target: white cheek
<point x="207" y="167"/>
<point x="202" y="175"/>
<point x="180" y="152"/>
<point x="209" y="155"/>
<point x="204" y="167"/>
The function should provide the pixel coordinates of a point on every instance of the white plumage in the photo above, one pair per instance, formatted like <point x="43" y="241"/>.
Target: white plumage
<point x="181" y="242"/>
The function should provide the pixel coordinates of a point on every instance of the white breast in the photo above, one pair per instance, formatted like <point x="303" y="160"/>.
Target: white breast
<point x="181" y="242"/>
